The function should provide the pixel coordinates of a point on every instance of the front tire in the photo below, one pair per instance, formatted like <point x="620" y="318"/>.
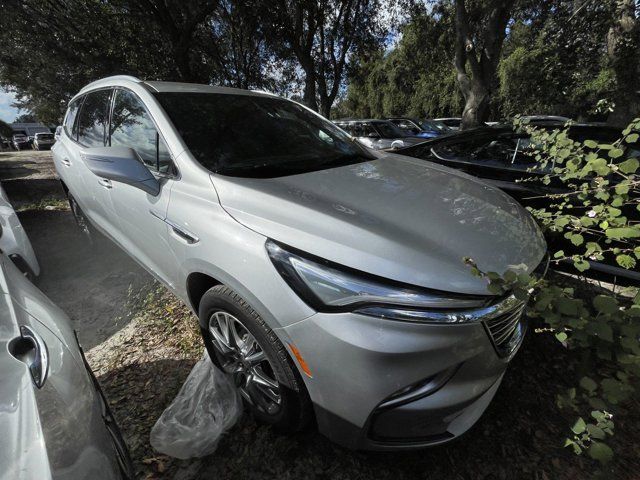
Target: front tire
<point x="240" y="343"/>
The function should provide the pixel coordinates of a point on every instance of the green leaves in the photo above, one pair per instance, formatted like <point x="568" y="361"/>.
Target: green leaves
<point x="605" y="304"/>
<point x="588" y="384"/>
<point x="616" y="153"/>
<point x="579" y="427"/>
<point x="599" y="220"/>
<point x="629" y="166"/>
<point x="600" y="452"/>
<point x="623" y="232"/>
<point x="626" y="261"/>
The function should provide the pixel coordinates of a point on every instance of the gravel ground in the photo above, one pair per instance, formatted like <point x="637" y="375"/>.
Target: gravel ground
<point x="143" y="342"/>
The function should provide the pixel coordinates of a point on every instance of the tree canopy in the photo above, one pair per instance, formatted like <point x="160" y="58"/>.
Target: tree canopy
<point x="572" y="58"/>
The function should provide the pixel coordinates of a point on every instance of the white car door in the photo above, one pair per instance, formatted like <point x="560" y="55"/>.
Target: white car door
<point x="65" y="155"/>
<point x="92" y="124"/>
<point x="143" y="232"/>
<point x="50" y="415"/>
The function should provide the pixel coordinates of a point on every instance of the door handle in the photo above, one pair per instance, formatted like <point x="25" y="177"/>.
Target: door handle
<point x="185" y="235"/>
<point x="30" y="349"/>
<point x="66" y="162"/>
<point x="181" y="232"/>
<point x="105" y="183"/>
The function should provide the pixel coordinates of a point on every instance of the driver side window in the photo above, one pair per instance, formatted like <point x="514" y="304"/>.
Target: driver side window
<point x="131" y="126"/>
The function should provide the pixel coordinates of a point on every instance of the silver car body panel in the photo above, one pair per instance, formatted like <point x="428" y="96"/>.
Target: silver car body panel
<point x="394" y="217"/>
<point x="13" y="239"/>
<point x="365" y="216"/>
<point x="56" y="431"/>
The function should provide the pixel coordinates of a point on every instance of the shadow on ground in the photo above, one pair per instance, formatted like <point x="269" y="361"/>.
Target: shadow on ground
<point x="90" y="282"/>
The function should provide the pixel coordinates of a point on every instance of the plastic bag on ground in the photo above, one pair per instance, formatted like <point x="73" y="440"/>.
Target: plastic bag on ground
<point x="207" y="405"/>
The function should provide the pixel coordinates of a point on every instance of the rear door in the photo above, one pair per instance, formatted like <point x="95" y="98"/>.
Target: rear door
<point x="143" y="231"/>
<point x="65" y="156"/>
<point x="93" y="122"/>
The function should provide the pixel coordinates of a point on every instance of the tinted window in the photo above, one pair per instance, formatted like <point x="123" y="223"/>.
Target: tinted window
<point x="407" y="126"/>
<point x="389" y="130"/>
<point x="131" y="126"/>
<point x="70" y="120"/>
<point x="251" y="135"/>
<point x="363" y="130"/>
<point x="94" y="118"/>
<point x="496" y="151"/>
<point x="435" y="126"/>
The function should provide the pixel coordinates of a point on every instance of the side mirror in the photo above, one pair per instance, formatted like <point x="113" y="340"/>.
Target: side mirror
<point x="121" y="164"/>
<point x="58" y="131"/>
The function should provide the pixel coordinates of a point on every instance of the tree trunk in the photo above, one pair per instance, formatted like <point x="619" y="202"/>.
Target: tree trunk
<point x="476" y="66"/>
<point x="623" y="42"/>
<point x="325" y="106"/>
<point x="476" y="107"/>
<point x="309" y="96"/>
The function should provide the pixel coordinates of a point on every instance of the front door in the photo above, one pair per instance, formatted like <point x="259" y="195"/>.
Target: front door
<point x="142" y="231"/>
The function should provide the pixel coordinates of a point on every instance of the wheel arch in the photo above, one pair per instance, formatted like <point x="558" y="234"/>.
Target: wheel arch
<point x="197" y="285"/>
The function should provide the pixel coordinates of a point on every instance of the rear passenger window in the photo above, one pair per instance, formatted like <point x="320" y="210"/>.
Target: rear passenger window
<point x="93" y="118"/>
<point x="70" y="125"/>
<point x="131" y="126"/>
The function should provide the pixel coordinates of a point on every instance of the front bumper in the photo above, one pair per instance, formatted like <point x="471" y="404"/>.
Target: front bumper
<point x="380" y="384"/>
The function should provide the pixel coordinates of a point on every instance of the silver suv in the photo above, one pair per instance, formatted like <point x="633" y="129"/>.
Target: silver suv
<point x="328" y="278"/>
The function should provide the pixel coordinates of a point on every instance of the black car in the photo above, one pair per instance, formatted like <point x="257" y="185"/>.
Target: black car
<point x="420" y="128"/>
<point x="500" y="156"/>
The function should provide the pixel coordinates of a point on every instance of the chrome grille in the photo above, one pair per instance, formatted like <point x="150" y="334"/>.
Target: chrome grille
<point x="506" y="328"/>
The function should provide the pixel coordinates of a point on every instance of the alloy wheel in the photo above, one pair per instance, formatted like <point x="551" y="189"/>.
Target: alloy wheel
<point x="241" y="355"/>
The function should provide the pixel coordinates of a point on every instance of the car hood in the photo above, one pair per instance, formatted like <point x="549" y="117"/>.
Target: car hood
<point x="397" y="217"/>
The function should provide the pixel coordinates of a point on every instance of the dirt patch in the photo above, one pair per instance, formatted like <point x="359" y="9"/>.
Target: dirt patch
<point x="142" y="367"/>
<point x="90" y="282"/>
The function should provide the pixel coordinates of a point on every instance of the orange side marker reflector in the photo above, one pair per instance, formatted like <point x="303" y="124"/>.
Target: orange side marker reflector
<point x="301" y="361"/>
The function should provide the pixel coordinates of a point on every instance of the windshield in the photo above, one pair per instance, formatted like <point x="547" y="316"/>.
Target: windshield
<point x="257" y="136"/>
<point x="435" y="126"/>
<point x="389" y="130"/>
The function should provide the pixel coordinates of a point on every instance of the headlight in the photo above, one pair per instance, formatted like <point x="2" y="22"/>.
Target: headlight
<point x="333" y="288"/>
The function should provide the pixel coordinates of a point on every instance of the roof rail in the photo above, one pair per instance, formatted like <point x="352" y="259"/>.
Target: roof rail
<point x="102" y="81"/>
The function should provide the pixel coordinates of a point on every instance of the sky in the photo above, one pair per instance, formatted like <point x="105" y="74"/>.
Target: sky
<point x="7" y="112"/>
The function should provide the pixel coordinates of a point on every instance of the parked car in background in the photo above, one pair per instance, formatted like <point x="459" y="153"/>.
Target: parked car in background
<point x="54" y="420"/>
<point x="378" y="134"/>
<point x="310" y="260"/>
<point x="545" y="119"/>
<point x="6" y="144"/>
<point x="43" y="141"/>
<point x="14" y="241"/>
<point x="452" y="122"/>
<point x="420" y="128"/>
<point x="502" y="157"/>
<point x="20" y="141"/>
